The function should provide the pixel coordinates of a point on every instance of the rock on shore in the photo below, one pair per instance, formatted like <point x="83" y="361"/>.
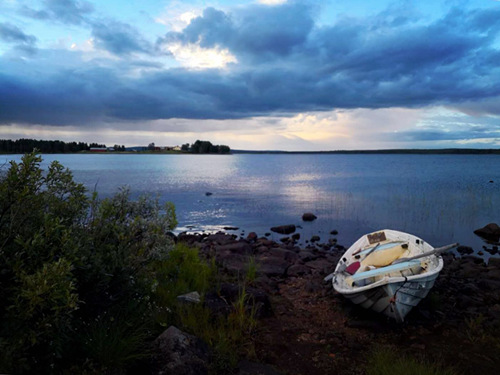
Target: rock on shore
<point x="490" y="232"/>
<point x="179" y="353"/>
<point x="307" y="328"/>
<point x="284" y="229"/>
<point x="272" y="259"/>
<point x="308" y="216"/>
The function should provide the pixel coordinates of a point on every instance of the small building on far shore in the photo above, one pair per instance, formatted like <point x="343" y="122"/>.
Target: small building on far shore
<point x="172" y="148"/>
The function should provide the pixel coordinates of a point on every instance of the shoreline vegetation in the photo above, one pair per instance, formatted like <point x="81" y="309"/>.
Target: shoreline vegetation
<point x="22" y="146"/>
<point x="97" y="286"/>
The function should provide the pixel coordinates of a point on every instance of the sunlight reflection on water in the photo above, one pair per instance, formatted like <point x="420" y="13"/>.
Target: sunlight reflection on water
<point x="441" y="198"/>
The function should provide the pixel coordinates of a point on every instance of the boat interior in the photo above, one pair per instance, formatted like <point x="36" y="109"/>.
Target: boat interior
<point x="378" y="257"/>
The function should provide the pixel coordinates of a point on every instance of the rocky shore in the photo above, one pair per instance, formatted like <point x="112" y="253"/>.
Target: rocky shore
<point x="306" y="328"/>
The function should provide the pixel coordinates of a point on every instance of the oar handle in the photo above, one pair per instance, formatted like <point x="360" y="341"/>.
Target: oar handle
<point x="432" y="252"/>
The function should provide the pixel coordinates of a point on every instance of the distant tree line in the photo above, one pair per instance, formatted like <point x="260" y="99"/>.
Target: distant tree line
<point x="22" y="146"/>
<point x="205" y="147"/>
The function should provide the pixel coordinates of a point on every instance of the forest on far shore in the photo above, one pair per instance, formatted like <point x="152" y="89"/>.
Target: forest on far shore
<point x="22" y="146"/>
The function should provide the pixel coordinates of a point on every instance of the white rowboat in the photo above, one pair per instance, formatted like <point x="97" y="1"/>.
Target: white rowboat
<point x="388" y="271"/>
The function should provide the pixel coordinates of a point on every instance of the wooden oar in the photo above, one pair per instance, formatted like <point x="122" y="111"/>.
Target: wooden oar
<point x="432" y="252"/>
<point x="353" y="267"/>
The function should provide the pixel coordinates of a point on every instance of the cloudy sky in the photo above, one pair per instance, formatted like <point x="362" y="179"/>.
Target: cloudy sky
<point x="252" y="74"/>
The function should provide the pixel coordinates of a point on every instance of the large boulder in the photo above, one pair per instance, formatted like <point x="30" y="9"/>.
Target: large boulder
<point x="219" y="238"/>
<point x="306" y="256"/>
<point x="284" y="254"/>
<point x="489" y="232"/>
<point x="235" y="248"/>
<point x="271" y="265"/>
<point x="320" y="265"/>
<point x="179" y="353"/>
<point x="284" y="229"/>
<point x="231" y="262"/>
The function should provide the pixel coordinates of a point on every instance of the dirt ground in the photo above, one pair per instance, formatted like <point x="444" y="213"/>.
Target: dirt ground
<point x="316" y="331"/>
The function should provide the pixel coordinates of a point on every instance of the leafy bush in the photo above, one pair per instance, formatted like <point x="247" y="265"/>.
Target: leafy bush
<point x="75" y="270"/>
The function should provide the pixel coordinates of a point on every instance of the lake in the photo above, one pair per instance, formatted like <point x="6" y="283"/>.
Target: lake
<point x="440" y="198"/>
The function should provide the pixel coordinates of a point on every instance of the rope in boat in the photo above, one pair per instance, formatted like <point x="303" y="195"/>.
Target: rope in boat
<point x="393" y="299"/>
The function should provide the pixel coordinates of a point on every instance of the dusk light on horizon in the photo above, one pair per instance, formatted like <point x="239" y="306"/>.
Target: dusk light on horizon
<point x="255" y="75"/>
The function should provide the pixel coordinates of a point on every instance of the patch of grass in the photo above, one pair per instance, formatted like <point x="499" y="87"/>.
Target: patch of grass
<point x="114" y="342"/>
<point x="227" y="336"/>
<point x="251" y="270"/>
<point x="242" y="318"/>
<point x="182" y="272"/>
<point x="483" y="338"/>
<point x="390" y="361"/>
<point x="215" y="332"/>
<point x="474" y="329"/>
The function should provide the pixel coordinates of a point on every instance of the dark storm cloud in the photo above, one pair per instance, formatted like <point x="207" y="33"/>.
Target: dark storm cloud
<point x="66" y="11"/>
<point x="286" y="65"/>
<point x="118" y="38"/>
<point x="58" y="100"/>
<point x="365" y="63"/>
<point x="259" y="31"/>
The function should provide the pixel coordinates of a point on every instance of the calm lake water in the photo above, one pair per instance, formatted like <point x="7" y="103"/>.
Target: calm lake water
<point x="441" y="198"/>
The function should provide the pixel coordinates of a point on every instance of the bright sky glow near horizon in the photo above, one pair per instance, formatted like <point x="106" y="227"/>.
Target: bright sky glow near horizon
<point x="252" y="74"/>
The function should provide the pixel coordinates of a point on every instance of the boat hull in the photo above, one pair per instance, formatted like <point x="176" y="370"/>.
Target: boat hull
<point x="394" y="300"/>
<point x="396" y="293"/>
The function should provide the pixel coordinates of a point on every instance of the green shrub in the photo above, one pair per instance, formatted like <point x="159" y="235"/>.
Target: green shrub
<point x="87" y="284"/>
<point x="68" y="260"/>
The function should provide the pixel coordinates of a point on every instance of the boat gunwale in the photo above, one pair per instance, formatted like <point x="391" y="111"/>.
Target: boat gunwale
<point x="386" y="280"/>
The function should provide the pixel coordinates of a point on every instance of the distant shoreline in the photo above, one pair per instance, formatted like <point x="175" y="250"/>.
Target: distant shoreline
<point x="447" y="151"/>
<point x="444" y="151"/>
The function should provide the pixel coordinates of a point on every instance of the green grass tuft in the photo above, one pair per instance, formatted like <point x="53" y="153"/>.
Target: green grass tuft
<point x="251" y="271"/>
<point x="182" y="272"/>
<point x="388" y="361"/>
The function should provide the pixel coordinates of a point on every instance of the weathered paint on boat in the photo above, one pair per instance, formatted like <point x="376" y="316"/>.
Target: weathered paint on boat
<point x="396" y="292"/>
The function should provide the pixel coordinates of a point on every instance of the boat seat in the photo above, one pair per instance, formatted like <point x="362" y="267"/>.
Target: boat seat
<point x="384" y="257"/>
<point x="382" y="246"/>
<point x="382" y="271"/>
